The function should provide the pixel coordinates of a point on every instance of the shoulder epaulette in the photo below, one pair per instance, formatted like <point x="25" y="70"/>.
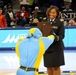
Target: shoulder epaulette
<point x="62" y="20"/>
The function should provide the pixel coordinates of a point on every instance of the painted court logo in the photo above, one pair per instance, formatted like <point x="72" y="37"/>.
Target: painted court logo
<point x="13" y="39"/>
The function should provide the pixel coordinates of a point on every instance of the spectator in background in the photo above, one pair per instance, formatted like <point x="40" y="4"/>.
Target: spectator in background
<point x="5" y="9"/>
<point x="35" y="12"/>
<point x="10" y="17"/>
<point x="24" y="3"/>
<point x="72" y="23"/>
<point x="28" y="4"/>
<point x="67" y="2"/>
<point x="34" y="16"/>
<point x="2" y="20"/>
<point x="67" y="8"/>
<point x="22" y="17"/>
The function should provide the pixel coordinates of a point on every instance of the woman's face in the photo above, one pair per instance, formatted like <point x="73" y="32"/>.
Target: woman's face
<point x="52" y="14"/>
<point x="0" y="11"/>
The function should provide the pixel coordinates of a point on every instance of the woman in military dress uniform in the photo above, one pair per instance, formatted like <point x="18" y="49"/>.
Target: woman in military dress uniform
<point x="54" y="56"/>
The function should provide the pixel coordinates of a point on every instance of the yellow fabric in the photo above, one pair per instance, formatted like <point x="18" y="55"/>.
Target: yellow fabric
<point x="40" y="54"/>
<point x="32" y="30"/>
<point x="51" y="36"/>
<point x="36" y="73"/>
<point x="17" y="47"/>
<point x="72" y="74"/>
